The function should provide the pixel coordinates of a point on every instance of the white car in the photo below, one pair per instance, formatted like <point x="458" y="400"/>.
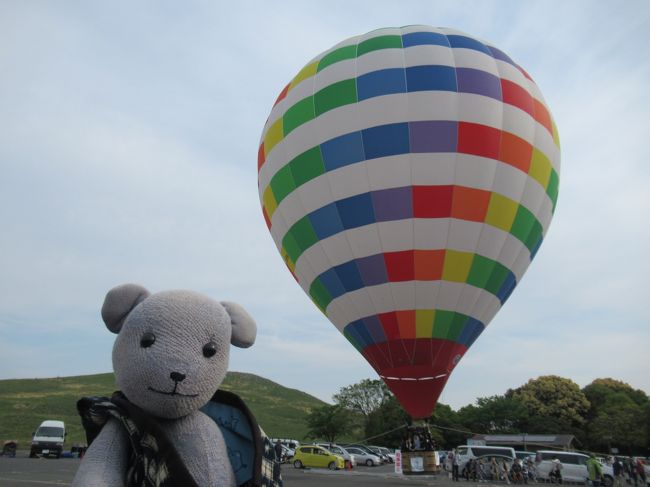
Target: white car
<point x="574" y="465"/>
<point x="362" y="457"/>
<point x="343" y="452"/>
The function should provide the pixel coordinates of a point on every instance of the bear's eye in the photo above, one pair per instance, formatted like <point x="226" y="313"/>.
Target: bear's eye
<point x="209" y="349"/>
<point x="147" y="340"/>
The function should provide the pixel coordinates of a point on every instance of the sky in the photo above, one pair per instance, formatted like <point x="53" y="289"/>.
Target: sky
<point x="128" y="153"/>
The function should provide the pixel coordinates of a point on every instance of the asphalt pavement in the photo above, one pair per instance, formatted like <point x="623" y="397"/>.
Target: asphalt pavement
<point x="22" y="471"/>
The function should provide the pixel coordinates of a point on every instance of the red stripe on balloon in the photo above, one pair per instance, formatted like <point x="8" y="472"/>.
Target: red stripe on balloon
<point x="515" y="95"/>
<point x="478" y="140"/>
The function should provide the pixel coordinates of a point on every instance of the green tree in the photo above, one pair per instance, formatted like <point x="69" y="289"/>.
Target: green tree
<point x="619" y="422"/>
<point x="450" y="431"/>
<point x="495" y="414"/>
<point x="554" y="398"/>
<point x="363" y="397"/>
<point x="328" y="422"/>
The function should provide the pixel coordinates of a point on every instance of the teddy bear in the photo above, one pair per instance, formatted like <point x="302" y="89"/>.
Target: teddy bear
<point x="170" y="357"/>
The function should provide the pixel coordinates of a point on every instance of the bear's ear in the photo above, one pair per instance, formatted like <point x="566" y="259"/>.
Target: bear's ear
<point x="244" y="328"/>
<point x="119" y="302"/>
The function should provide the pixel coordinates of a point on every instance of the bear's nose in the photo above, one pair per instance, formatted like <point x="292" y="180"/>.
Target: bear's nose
<point x="177" y="376"/>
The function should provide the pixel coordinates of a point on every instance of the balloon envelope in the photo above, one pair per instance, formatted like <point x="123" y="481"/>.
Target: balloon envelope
<point x="407" y="177"/>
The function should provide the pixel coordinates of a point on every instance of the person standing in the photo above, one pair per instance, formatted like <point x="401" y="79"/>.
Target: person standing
<point x="278" y="451"/>
<point x="617" y="468"/>
<point x="595" y="470"/>
<point x="454" y="466"/>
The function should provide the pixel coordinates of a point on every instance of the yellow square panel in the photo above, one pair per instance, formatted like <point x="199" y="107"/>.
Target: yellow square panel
<point x="540" y="168"/>
<point x="306" y="72"/>
<point x="269" y="201"/>
<point x="457" y="265"/>
<point x="501" y="212"/>
<point x="424" y="322"/>
<point x="274" y="135"/>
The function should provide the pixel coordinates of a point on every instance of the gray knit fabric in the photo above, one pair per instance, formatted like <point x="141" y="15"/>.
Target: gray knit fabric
<point x="160" y="365"/>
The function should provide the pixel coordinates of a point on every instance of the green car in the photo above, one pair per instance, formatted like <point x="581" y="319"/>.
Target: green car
<point x="316" y="456"/>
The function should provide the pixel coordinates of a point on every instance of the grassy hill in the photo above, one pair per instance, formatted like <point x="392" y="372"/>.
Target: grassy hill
<point x="24" y="403"/>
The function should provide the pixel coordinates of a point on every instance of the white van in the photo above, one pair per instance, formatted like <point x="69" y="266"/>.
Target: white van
<point x="466" y="452"/>
<point x="574" y="465"/>
<point x="48" y="439"/>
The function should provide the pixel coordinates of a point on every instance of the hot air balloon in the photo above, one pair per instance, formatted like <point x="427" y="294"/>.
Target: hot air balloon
<point x="408" y="177"/>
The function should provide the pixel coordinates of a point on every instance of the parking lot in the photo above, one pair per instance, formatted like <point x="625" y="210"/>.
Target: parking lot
<point x="38" y="472"/>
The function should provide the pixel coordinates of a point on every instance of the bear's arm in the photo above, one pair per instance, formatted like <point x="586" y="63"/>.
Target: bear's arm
<point x="105" y="462"/>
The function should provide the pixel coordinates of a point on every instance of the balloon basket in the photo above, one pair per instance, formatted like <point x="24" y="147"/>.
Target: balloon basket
<point x="420" y="463"/>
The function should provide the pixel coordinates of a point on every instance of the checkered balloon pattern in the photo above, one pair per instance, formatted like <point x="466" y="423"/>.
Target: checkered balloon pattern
<point x="408" y="177"/>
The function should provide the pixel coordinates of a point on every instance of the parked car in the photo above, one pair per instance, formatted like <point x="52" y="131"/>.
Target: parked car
<point x="342" y="452"/>
<point x="377" y="450"/>
<point x="465" y="452"/>
<point x="389" y="453"/>
<point x="48" y="439"/>
<point x="523" y="455"/>
<point x="364" y="457"/>
<point x="316" y="456"/>
<point x="574" y="465"/>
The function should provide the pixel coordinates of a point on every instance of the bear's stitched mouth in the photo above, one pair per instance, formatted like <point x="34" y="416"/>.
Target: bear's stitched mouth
<point x="172" y="393"/>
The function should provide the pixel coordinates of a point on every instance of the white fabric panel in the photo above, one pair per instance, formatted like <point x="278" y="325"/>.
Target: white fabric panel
<point x="486" y="306"/>
<point x="433" y="169"/>
<point x="518" y="122"/>
<point x="533" y="196"/>
<point x="403" y="294"/>
<point x="449" y="294"/>
<point x="408" y="29"/>
<point x="464" y="235"/>
<point x="333" y="123"/>
<point x="521" y="264"/>
<point x="432" y="105"/>
<point x="480" y="109"/>
<point x="348" y="181"/>
<point x="385" y="109"/>
<point x="362" y="304"/>
<point x="364" y="241"/>
<point x="337" y="313"/>
<point x="389" y="172"/>
<point x="426" y="293"/>
<point x="310" y="263"/>
<point x="469" y="58"/>
<point x="545" y="214"/>
<point x="337" y="250"/>
<point x="334" y="73"/>
<point x="509" y="251"/>
<point x="511" y="73"/>
<point x="431" y="234"/>
<point x="491" y="242"/>
<point x="509" y="181"/>
<point x="428" y="54"/>
<point x="381" y="59"/>
<point x="469" y="296"/>
<point x="396" y="236"/>
<point x="475" y="171"/>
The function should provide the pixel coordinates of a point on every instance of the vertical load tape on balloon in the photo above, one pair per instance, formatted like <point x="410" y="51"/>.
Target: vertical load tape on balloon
<point x="408" y="177"/>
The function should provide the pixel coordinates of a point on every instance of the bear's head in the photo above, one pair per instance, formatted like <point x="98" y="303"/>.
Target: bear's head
<point x="172" y="348"/>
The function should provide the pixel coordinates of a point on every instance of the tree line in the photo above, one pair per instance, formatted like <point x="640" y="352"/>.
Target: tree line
<point x="605" y="414"/>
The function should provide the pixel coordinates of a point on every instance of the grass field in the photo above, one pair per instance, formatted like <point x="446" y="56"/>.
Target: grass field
<point x="25" y="403"/>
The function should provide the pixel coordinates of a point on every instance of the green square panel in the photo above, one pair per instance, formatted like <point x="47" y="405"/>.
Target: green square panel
<point x="341" y="54"/>
<point x="282" y="183"/>
<point x="381" y="42"/>
<point x="290" y="246"/>
<point x="307" y="166"/>
<point x="534" y="236"/>
<point x="553" y="187"/>
<point x="442" y="323"/>
<point x="457" y="325"/>
<point x="335" y="95"/>
<point x="296" y="115"/>
<point x="481" y="271"/>
<point x="304" y="235"/>
<point x="320" y="295"/>
<point x="524" y="221"/>
<point x="498" y="276"/>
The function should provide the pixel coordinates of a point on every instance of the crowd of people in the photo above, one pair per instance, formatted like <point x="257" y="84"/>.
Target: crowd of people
<point x="491" y="469"/>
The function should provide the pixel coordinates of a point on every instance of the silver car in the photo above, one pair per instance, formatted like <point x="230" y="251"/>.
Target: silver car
<point x="364" y="458"/>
